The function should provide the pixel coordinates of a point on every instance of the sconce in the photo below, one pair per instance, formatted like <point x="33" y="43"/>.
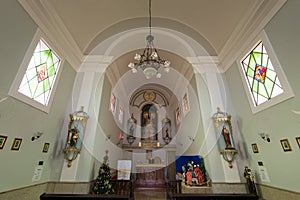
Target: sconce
<point x="36" y="136"/>
<point x="121" y="138"/>
<point x="107" y="137"/>
<point x="223" y="129"/>
<point x="166" y="130"/>
<point x="76" y="128"/>
<point x="191" y="138"/>
<point x="265" y="137"/>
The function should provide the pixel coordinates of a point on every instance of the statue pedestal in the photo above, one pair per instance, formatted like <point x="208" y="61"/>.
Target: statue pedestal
<point x="195" y="189"/>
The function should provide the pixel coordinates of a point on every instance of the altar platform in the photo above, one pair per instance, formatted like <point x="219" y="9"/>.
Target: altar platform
<point x="150" y="175"/>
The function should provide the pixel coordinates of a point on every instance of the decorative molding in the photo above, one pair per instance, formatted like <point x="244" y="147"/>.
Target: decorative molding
<point x="97" y="58"/>
<point x="248" y="28"/>
<point x="95" y="63"/>
<point x="140" y="98"/>
<point x="48" y="21"/>
<point x="204" y="64"/>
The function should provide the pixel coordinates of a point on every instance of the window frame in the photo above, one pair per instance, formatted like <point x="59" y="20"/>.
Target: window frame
<point x="287" y="90"/>
<point x="13" y="92"/>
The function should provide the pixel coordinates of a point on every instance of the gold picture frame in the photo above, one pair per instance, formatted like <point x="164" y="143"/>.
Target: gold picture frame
<point x="298" y="141"/>
<point x="16" y="144"/>
<point x="255" y="148"/>
<point x="3" y="139"/>
<point x="46" y="147"/>
<point x="285" y="145"/>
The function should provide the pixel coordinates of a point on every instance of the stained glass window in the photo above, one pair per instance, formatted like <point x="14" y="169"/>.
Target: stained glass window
<point x="40" y="75"/>
<point x="261" y="78"/>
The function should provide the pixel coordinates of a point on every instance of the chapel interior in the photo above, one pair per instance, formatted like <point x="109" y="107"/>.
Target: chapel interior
<point x="196" y="97"/>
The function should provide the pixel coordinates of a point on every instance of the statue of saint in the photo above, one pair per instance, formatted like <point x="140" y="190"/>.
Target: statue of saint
<point x="250" y="180"/>
<point x="226" y="135"/>
<point x="167" y="133"/>
<point x="73" y="136"/>
<point x="149" y="125"/>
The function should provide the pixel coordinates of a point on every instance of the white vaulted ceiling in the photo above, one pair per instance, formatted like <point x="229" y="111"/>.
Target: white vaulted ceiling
<point x="219" y="26"/>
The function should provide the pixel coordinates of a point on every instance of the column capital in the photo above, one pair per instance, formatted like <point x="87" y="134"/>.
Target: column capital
<point x="96" y="63"/>
<point x="204" y="64"/>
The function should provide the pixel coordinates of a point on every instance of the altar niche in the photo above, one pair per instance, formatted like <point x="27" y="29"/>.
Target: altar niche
<point x="149" y="123"/>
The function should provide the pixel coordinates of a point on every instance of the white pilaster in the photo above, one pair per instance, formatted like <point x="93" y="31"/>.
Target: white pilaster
<point x="87" y="79"/>
<point x="207" y="68"/>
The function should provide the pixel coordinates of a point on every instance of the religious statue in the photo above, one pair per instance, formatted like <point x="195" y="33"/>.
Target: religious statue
<point x="250" y="180"/>
<point x="73" y="136"/>
<point x="226" y="135"/>
<point x="131" y="124"/>
<point x="166" y="130"/>
<point x="131" y="129"/>
<point x="199" y="175"/>
<point x="189" y="177"/>
<point x="149" y="124"/>
<point x="167" y="133"/>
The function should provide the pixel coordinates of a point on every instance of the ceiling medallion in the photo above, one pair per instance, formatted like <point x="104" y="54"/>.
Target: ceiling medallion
<point x="149" y="96"/>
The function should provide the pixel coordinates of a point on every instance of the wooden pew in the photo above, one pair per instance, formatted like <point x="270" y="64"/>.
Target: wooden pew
<point x="123" y="189"/>
<point x="81" y="196"/>
<point x="215" y="196"/>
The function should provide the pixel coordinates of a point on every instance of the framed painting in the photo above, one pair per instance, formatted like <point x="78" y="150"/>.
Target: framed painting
<point x="113" y="103"/>
<point x="178" y="115"/>
<point x="255" y="148"/>
<point x="285" y="145"/>
<point x="46" y="147"/>
<point x="16" y="144"/>
<point x="120" y="115"/>
<point x="298" y="141"/>
<point x="3" y="139"/>
<point x="186" y="104"/>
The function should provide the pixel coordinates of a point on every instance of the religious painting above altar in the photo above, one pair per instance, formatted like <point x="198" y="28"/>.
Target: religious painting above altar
<point x="149" y="122"/>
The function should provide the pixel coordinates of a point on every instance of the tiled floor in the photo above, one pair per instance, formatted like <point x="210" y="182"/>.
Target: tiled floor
<point x="150" y="194"/>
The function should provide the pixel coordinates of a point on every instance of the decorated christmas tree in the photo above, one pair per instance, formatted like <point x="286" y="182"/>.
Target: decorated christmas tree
<point x="103" y="183"/>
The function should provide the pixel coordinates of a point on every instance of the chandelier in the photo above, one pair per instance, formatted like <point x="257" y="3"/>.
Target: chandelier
<point x="149" y="61"/>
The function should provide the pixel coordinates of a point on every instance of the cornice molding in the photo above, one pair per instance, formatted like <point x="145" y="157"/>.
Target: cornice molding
<point x="95" y="63"/>
<point x="205" y="64"/>
<point x="52" y="26"/>
<point x="248" y="28"/>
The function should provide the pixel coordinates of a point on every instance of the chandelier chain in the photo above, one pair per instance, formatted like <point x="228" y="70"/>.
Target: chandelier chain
<point x="149" y="61"/>
<point x="150" y="17"/>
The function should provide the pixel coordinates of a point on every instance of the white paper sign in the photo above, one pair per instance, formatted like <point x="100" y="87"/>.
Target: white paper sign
<point x="124" y="169"/>
<point x="37" y="173"/>
<point x="263" y="174"/>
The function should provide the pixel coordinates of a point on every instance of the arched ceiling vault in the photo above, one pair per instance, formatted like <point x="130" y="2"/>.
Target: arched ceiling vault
<point x="222" y="27"/>
<point x="160" y="23"/>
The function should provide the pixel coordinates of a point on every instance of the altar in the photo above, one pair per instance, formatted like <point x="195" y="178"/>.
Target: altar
<point x="150" y="175"/>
